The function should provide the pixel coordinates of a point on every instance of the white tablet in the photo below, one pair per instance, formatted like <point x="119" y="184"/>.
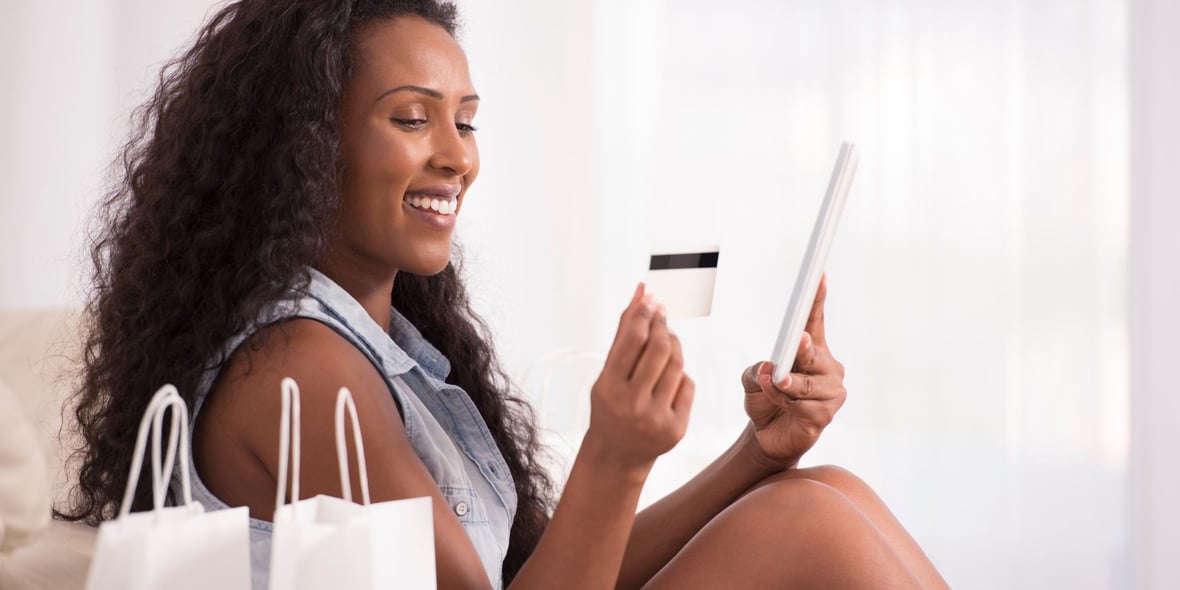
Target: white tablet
<point x="806" y="284"/>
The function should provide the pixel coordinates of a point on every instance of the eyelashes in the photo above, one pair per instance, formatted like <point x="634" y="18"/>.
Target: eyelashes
<point x="416" y="124"/>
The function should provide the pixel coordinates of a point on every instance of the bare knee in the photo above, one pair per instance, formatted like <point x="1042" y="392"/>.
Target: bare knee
<point x="839" y="478"/>
<point x="795" y="503"/>
<point x="823" y="530"/>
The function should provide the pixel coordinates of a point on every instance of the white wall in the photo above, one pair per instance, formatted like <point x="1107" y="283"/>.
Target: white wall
<point x="55" y="103"/>
<point x="1154" y="259"/>
<point x="71" y="77"/>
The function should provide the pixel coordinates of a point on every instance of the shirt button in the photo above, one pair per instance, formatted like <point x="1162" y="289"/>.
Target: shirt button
<point x="461" y="508"/>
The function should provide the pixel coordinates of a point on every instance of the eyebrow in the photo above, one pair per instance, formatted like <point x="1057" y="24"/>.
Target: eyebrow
<point x="427" y="91"/>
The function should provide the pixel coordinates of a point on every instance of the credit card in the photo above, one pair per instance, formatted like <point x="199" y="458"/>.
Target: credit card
<point x="683" y="280"/>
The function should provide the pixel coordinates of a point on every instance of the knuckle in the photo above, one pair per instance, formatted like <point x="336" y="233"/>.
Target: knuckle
<point x="813" y="431"/>
<point x="660" y="345"/>
<point x="674" y="343"/>
<point x="675" y="363"/>
<point x="805" y="360"/>
<point x="643" y="312"/>
<point x="808" y="385"/>
<point x="635" y="331"/>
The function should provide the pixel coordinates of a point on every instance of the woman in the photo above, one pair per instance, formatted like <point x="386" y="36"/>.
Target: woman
<point x="300" y="169"/>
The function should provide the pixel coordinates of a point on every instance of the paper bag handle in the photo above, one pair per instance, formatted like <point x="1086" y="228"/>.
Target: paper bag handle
<point x="289" y="421"/>
<point x="153" y="417"/>
<point x="343" y="399"/>
<point x="289" y="445"/>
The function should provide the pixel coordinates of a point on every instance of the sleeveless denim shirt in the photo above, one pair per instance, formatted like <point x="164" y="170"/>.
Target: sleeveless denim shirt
<point x="443" y="425"/>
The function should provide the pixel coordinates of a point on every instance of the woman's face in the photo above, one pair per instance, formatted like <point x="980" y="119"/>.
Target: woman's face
<point x="408" y="149"/>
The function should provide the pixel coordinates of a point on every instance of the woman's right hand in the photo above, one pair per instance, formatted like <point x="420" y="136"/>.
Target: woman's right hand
<point x="640" y="403"/>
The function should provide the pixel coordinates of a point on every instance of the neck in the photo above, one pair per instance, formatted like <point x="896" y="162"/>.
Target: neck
<point x="370" y="287"/>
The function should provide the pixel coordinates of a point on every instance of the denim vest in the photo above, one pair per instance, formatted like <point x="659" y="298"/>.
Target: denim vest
<point x="443" y="425"/>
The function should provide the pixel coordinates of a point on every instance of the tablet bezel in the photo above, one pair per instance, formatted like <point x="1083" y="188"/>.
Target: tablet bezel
<point x="807" y="282"/>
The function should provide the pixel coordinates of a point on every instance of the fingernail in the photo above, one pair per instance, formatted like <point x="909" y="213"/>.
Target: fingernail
<point x="786" y="383"/>
<point x="661" y="310"/>
<point x="638" y="292"/>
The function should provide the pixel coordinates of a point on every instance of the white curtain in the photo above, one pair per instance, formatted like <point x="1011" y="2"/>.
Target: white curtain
<point x="977" y="280"/>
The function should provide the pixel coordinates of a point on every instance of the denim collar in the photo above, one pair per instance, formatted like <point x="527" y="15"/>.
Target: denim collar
<point x="403" y="347"/>
<point x="407" y="336"/>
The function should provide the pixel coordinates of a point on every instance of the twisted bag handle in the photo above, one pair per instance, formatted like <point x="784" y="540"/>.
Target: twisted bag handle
<point x="288" y="421"/>
<point x="343" y="399"/>
<point x="164" y="399"/>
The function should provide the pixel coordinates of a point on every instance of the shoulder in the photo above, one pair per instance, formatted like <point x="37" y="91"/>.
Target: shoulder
<point x="245" y="401"/>
<point x="237" y="434"/>
<point x="310" y="352"/>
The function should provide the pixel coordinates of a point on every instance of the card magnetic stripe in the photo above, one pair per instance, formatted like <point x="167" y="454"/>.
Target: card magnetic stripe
<point x="678" y="261"/>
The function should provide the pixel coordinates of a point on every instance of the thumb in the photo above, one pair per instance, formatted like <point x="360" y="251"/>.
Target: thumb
<point x="750" y="376"/>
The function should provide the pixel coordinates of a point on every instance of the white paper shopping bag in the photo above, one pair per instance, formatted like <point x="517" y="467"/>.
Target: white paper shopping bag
<point x="173" y="548"/>
<point x="327" y="542"/>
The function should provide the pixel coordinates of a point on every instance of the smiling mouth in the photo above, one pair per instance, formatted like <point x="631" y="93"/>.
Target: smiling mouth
<point x="433" y="204"/>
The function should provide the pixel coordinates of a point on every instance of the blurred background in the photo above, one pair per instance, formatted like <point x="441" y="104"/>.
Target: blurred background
<point x="1002" y="287"/>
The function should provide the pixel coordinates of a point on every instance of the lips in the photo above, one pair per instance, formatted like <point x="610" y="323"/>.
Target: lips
<point x="438" y="191"/>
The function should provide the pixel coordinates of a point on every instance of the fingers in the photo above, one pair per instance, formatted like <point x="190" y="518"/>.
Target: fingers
<point x="807" y="356"/>
<point x="633" y="332"/>
<point x="750" y="377"/>
<point x="815" y="320"/>
<point x="815" y="386"/>
<point x="657" y="352"/>
<point x="816" y="375"/>
<point x="682" y="403"/>
<point x="639" y="404"/>
<point x="668" y="385"/>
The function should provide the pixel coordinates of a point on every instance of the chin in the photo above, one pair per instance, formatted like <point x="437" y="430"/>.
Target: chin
<point x="431" y="265"/>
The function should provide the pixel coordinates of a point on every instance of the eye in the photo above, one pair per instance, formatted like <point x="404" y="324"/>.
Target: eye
<point x="465" y="128"/>
<point x="409" y="123"/>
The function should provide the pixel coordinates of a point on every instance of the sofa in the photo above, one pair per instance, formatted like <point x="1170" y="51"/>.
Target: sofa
<point x="39" y="351"/>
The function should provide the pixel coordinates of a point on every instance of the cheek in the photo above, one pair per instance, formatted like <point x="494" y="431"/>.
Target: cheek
<point x="381" y="169"/>
<point x="391" y="163"/>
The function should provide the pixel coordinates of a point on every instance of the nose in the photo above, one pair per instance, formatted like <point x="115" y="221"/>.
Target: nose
<point x="451" y="153"/>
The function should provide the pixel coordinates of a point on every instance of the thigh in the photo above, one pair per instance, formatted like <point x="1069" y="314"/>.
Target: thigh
<point x="787" y="533"/>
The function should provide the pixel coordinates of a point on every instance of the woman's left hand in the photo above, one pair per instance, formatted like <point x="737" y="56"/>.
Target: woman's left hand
<point x="786" y="418"/>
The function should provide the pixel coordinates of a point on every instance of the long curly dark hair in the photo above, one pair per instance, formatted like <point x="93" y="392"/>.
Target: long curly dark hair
<point x="223" y="199"/>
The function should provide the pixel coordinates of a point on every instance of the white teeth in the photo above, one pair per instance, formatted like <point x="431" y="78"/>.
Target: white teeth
<point x="440" y="206"/>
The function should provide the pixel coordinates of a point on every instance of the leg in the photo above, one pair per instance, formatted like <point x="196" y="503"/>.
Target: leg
<point x="792" y="533"/>
<point x="867" y="501"/>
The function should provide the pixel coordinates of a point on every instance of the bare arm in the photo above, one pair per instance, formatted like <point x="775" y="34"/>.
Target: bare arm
<point x="639" y="410"/>
<point x="663" y="528"/>
<point x="786" y="419"/>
